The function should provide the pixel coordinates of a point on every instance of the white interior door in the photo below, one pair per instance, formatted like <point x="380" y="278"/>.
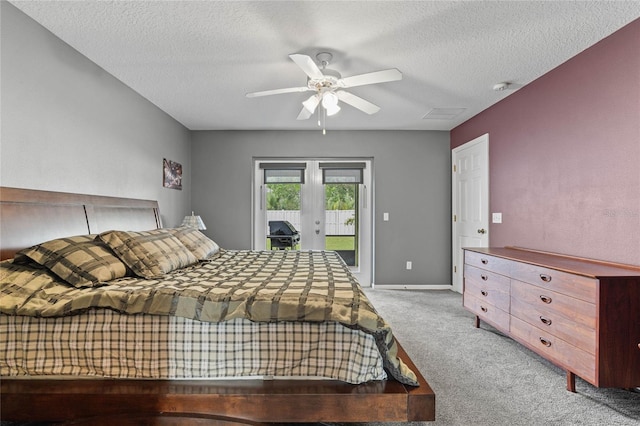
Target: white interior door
<point x="470" y="198"/>
<point x="321" y="227"/>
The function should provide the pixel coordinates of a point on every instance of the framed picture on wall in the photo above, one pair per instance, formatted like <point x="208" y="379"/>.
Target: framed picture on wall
<point x="171" y="174"/>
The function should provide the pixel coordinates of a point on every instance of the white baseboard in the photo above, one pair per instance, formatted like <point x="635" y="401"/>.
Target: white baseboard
<point x="412" y="286"/>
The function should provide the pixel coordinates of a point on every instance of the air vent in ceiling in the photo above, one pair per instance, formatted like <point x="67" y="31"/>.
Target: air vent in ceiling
<point x="443" y="113"/>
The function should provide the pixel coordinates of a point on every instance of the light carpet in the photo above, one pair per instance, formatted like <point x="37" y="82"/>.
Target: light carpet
<point x="481" y="377"/>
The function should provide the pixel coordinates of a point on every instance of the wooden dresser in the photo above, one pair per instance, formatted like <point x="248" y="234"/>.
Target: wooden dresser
<point x="582" y="315"/>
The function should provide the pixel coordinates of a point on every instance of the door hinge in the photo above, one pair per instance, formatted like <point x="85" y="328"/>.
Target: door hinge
<point x="454" y="168"/>
<point x="455" y="218"/>
<point x="455" y="269"/>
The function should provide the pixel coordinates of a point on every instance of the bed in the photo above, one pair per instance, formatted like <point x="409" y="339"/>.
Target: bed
<point x="30" y="217"/>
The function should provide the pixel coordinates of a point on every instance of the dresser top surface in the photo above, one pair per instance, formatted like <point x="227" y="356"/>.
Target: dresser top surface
<point x="565" y="263"/>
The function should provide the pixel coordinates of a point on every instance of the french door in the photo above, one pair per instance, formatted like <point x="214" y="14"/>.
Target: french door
<point x="328" y="201"/>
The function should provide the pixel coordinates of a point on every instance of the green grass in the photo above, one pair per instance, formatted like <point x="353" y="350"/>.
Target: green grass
<point x="340" y="242"/>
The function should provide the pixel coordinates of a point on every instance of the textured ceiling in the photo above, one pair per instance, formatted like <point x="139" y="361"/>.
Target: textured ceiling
<point x="196" y="59"/>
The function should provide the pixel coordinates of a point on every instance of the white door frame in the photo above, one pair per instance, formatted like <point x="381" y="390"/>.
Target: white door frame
<point x="364" y="272"/>
<point x="483" y="143"/>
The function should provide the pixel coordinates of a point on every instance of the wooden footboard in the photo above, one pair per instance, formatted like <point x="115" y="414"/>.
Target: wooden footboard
<point x="114" y="401"/>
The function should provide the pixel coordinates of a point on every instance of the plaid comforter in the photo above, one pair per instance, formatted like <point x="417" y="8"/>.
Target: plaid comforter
<point x="261" y="286"/>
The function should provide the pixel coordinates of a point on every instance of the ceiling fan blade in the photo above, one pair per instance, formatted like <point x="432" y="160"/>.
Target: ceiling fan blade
<point x="372" y="78"/>
<point x="357" y="102"/>
<point x="308" y="107"/>
<point x="304" y="114"/>
<point x="277" y="91"/>
<point x="307" y="65"/>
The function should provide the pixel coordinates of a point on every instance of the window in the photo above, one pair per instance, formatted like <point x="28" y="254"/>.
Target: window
<point x="342" y="172"/>
<point x="283" y="172"/>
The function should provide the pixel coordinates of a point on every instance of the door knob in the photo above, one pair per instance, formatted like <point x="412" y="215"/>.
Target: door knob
<point x="482" y="231"/>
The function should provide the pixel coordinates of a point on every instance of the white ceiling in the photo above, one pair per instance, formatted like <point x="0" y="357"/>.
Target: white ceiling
<point x="196" y="59"/>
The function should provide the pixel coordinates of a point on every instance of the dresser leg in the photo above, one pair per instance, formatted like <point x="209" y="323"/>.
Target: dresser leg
<point x="477" y="322"/>
<point x="571" y="382"/>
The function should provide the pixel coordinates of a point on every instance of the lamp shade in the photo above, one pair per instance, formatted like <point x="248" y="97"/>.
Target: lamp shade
<point x="193" y="221"/>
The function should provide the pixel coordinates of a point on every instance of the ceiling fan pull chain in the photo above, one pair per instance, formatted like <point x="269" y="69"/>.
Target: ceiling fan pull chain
<point x="324" y="124"/>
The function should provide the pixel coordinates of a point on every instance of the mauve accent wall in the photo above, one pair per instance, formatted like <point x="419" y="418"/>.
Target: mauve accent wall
<point x="565" y="155"/>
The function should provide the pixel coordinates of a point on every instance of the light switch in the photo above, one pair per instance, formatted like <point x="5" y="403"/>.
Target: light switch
<point x="496" y="218"/>
<point x="385" y="217"/>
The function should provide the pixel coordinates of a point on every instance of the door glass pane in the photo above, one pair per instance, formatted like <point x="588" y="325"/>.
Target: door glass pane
<point x="341" y="220"/>
<point x="283" y="205"/>
<point x="284" y="176"/>
<point x="342" y="175"/>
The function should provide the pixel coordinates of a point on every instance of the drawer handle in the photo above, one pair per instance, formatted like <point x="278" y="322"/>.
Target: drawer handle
<point x="545" y="342"/>
<point x="484" y="261"/>
<point x="545" y="321"/>
<point x="545" y="299"/>
<point x="483" y="292"/>
<point x="545" y="278"/>
<point x="483" y="309"/>
<point x="484" y="277"/>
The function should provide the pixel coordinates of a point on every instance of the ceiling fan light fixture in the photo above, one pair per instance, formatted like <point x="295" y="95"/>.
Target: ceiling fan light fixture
<point x="310" y="104"/>
<point x="332" y="110"/>
<point x="330" y="103"/>
<point x="329" y="99"/>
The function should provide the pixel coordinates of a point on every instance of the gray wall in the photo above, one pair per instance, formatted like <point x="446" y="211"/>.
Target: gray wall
<point x="412" y="183"/>
<point x="68" y="125"/>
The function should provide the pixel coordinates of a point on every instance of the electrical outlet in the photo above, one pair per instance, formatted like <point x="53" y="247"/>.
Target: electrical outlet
<point x="385" y="217"/>
<point x="409" y="264"/>
<point x="496" y="218"/>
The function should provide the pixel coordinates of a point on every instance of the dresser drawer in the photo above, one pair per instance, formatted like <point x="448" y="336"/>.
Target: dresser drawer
<point x="550" y="322"/>
<point x="492" y="279"/>
<point x="577" y="286"/>
<point x="554" y="304"/>
<point x="487" y="312"/>
<point x="555" y="349"/>
<point x="487" y="262"/>
<point x="488" y="286"/>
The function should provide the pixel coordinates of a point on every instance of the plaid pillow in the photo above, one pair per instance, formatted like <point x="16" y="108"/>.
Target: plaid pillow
<point x="20" y="281"/>
<point x="81" y="260"/>
<point x="199" y="244"/>
<point x="150" y="253"/>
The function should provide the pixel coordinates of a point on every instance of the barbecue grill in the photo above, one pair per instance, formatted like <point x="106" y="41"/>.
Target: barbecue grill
<point x="282" y="235"/>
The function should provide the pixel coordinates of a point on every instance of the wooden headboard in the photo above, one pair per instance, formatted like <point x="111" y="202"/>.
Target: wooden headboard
<point x="29" y="217"/>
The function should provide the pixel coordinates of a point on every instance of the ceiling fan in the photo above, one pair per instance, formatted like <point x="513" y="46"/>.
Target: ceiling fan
<point x="329" y="86"/>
